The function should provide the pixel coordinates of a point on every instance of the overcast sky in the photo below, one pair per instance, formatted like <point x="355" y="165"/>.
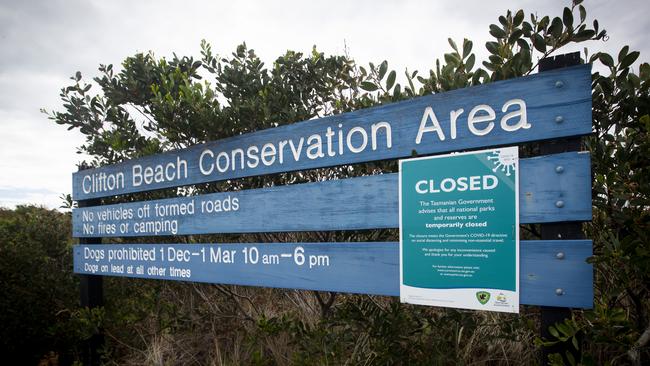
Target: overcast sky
<point x="43" y="43"/>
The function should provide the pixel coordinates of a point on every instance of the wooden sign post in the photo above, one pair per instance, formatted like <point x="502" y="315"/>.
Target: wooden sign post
<point x="570" y="229"/>
<point x="91" y="297"/>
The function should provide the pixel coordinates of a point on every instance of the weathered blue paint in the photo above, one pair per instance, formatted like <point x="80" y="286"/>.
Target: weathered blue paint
<point x="359" y="203"/>
<point x="364" y="268"/>
<point x="563" y="95"/>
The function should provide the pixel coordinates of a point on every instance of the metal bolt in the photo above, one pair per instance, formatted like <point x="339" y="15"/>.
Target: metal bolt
<point x="559" y="204"/>
<point x="559" y="119"/>
<point x="559" y="255"/>
<point x="559" y="169"/>
<point x="559" y="291"/>
<point x="559" y="84"/>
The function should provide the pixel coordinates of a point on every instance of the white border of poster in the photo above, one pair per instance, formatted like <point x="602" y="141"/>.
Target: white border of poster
<point x="463" y="298"/>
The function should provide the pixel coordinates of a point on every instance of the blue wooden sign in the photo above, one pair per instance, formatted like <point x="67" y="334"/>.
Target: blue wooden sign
<point x="365" y="268"/>
<point x="537" y="107"/>
<point x="553" y="188"/>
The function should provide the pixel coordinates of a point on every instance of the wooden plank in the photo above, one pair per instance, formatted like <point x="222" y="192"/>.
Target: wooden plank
<point x="557" y="104"/>
<point x="362" y="268"/>
<point x="358" y="203"/>
<point x="555" y="188"/>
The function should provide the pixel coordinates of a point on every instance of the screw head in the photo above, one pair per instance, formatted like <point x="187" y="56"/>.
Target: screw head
<point x="559" y="119"/>
<point x="559" y="169"/>
<point x="559" y="204"/>
<point x="559" y="255"/>
<point x="559" y="291"/>
<point x="559" y="84"/>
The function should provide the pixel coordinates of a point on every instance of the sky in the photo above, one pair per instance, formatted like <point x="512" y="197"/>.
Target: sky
<point x="43" y="43"/>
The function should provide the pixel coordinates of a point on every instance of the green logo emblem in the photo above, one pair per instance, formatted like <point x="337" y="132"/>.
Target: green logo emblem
<point x="483" y="297"/>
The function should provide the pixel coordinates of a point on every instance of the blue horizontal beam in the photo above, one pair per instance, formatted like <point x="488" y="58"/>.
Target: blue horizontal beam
<point x="369" y="202"/>
<point x="556" y="104"/>
<point x="362" y="268"/>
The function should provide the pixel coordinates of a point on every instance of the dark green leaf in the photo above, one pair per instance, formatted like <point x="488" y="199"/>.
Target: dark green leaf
<point x="584" y="35"/>
<point x="583" y="13"/>
<point x="452" y="59"/>
<point x="606" y="59"/>
<point x="556" y="27"/>
<point x="467" y="47"/>
<point x="519" y="17"/>
<point x="523" y="44"/>
<point x="543" y="23"/>
<point x="382" y="69"/>
<point x="526" y="63"/>
<point x="622" y="53"/>
<point x="567" y="17"/>
<point x="368" y="86"/>
<point x="391" y="79"/>
<point x="629" y="59"/>
<point x="644" y="71"/>
<point x="452" y="44"/>
<point x="489" y="66"/>
<point x="398" y="91"/>
<point x="497" y="32"/>
<point x="469" y="64"/>
<point x="569" y="356"/>
<point x="539" y="43"/>
<point x="492" y="47"/>
<point x="476" y="78"/>
<point x="516" y="35"/>
<point x="564" y="329"/>
<point x="77" y="76"/>
<point x="495" y="59"/>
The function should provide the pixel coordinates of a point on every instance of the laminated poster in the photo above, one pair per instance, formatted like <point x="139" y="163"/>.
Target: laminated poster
<point x="459" y="230"/>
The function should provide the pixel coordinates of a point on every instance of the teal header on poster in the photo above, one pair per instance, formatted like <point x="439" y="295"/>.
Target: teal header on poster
<point x="459" y="230"/>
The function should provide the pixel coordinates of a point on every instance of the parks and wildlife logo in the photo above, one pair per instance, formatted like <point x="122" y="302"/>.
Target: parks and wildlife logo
<point x="483" y="297"/>
<point x="501" y="298"/>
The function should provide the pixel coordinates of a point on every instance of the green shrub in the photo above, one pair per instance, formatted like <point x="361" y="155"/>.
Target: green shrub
<point x="39" y="292"/>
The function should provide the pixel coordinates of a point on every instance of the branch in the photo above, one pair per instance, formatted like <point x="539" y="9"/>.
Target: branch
<point x="325" y="306"/>
<point x="635" y="353"/>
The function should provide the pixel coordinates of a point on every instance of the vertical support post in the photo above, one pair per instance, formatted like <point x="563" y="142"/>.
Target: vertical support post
<point x="558" y="231"/>
<point x="91" y="296"/>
